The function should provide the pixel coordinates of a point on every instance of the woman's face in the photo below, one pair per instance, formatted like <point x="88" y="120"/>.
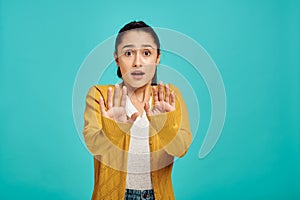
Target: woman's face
<point x="137" y="58"/>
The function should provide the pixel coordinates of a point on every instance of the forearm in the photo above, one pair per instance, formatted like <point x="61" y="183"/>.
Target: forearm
<point x="173" y="128"/>
<point x="101" y="140"/>
<point x="100" y="133"/>
<point x="173" y="132"/>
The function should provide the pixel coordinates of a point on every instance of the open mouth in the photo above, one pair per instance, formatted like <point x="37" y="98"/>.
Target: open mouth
<point x="137" y="73"/>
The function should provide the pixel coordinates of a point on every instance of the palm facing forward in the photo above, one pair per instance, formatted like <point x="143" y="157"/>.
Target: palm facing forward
<point x="116" y="110"/>
<point x="162" y="102"/>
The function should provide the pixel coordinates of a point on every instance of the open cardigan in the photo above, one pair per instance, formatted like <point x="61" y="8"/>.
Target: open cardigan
<point x="108" y="141"/>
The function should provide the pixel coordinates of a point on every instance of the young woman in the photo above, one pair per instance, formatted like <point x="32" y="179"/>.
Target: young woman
<point x="135" y="129"/>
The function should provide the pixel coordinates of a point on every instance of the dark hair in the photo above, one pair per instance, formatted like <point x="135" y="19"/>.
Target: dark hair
<point x="139" y="26"/>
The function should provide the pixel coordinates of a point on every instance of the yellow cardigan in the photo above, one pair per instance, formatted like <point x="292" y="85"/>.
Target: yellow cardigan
<point x="109" y="141"/>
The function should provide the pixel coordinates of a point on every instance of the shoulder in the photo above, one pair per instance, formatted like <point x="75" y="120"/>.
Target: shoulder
<point x="173" y="87"/>
<point x="97" y="90"/>
<point x="179" y="98"/>
<point x="102" y="88"/>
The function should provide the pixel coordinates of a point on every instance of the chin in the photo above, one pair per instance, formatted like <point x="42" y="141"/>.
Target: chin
<point x="138" y="84"/>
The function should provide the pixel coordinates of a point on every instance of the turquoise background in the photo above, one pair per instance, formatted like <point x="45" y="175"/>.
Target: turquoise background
<point x="255" y="45"/>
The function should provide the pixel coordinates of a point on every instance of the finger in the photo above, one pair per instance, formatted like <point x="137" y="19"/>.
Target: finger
<point x="109" y="98"/>
<point x="167" y="93"/>
<point x="155" y="95"/>
<point x="172" y="99"/>
<point x="123" y="99"/>
<point x="102" y="106"/>
<point x="160" y="91"/>
<point x="116" y="95"/>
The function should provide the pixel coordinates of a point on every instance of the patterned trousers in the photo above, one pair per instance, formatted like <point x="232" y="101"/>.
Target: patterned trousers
<point x="139" y="194"/>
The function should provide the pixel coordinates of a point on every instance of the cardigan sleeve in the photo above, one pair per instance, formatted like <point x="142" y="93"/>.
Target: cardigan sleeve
<point x="100" y="133"/>
<point x="173" y="128"/>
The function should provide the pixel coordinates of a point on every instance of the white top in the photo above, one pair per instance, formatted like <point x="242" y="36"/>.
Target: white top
<point x="138" y="166"/>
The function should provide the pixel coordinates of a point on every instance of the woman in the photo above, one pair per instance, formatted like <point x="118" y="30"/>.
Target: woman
<point x="135" y="129"/>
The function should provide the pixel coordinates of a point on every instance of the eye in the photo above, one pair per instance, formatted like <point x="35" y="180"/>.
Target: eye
<point x="128" y="53"/>
<point x="147" y="52"/>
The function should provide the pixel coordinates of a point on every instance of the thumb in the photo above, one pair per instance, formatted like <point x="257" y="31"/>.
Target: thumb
<point x="134" y="116"/>
<point x="147" y="107"/>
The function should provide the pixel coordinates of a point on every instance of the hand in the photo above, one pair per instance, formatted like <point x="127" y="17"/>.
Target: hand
<point x="115" y="110"/>
<point x="162" y="102"/>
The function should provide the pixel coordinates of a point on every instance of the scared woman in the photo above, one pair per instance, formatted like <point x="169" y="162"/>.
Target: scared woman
<point x="135" y="129"/>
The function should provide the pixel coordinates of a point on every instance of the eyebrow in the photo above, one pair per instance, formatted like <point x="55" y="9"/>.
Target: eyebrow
<point x="128" y="45"/>
<point x="143" y="45"/>
<point x="147" y="45"/>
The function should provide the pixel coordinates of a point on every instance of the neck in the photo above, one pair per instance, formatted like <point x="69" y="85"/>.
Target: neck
<point x="141" y="94"/>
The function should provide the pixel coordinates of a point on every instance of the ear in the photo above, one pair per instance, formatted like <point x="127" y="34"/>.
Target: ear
<point x="158" y="59"/>
<point x="116" y="58"/>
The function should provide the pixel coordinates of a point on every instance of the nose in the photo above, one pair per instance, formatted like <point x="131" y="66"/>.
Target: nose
<point x="137" y="60"/>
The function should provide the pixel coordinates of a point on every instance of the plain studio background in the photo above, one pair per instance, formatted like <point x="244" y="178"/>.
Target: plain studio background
<point x="255" y="45"/>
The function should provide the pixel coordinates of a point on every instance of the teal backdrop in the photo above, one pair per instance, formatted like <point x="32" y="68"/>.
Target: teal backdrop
<point x="255" y="45"/>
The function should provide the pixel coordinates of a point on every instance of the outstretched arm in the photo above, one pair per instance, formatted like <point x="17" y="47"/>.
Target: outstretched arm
<point x="104" y="119"/>
<point x="169" y="120"/>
